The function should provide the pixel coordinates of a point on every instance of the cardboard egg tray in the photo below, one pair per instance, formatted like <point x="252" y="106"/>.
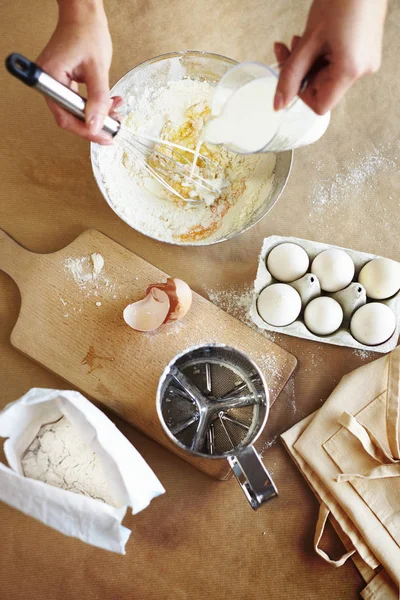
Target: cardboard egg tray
<point x="342" y="337"/>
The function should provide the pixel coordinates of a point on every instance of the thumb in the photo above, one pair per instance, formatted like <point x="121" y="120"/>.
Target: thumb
<point x="98" y="102"/>
<point x="293" y="71"/>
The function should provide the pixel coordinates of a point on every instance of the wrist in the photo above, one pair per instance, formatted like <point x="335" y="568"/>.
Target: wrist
<point x="78" y="11"/>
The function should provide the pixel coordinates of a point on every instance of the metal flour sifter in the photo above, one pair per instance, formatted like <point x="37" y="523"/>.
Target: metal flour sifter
<point x="213" y="402"/>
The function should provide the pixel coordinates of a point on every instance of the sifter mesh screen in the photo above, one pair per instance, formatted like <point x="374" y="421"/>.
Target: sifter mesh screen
<point x="223" y="393"/>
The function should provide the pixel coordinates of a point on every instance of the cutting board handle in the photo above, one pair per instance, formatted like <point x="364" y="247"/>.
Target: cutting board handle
<point x="14" y="260"/>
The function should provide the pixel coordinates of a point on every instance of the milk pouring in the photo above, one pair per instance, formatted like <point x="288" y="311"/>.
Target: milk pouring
<point x="243" y="118"/>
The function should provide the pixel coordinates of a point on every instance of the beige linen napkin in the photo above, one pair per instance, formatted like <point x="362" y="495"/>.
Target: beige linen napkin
<point x="349" y="453"/>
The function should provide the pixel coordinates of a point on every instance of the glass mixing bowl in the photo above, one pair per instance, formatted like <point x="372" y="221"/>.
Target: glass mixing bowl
<point x="203" y="66"/>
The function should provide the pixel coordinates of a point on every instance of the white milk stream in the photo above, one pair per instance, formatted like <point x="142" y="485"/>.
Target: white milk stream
<point x="246" y="122"/>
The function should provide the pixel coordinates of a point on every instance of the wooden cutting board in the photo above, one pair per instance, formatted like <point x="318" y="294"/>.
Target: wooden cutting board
<point x="75" y="328"/>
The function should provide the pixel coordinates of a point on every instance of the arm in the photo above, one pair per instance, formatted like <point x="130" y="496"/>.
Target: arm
<point x="80" y="51"/>
<point x="345" y="37"/>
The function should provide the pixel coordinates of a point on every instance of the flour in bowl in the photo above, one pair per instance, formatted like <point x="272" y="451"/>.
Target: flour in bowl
<point x="177" y="112"/>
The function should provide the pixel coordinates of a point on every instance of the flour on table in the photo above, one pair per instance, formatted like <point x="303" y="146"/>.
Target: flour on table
<point x="89" y="275"/>
<point x="59" y="457"/>
<point x="178" y="109"/>
<point x="290" y="396"/>
<point x="363" y="354"/>
<point x="268" y="444"/>
<point x="85" y="268"/>
<point x="330" y="193"/>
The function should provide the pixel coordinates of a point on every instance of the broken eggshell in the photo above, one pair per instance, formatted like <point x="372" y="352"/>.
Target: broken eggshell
<point x="180" y="297"/>
<point x="163" y="303"/>
<point x="308" y="287"/>
<point x="350" y="299"/>
<point x="150" y="313"/>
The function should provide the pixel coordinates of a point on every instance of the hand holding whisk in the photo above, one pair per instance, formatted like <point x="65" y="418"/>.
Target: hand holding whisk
<point x="165" y="161"/>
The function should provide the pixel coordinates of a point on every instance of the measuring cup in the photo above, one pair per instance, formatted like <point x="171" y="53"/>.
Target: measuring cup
<point x="294" y="126"/>
<point x="213" y="402"/>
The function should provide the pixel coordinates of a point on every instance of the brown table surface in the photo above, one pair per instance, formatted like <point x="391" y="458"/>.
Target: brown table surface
<point x="200" y="540"/>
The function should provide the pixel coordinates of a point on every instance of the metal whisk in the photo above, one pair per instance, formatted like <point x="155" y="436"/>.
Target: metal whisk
<point x="170" y="166"/>
<point x="144" y="147"/>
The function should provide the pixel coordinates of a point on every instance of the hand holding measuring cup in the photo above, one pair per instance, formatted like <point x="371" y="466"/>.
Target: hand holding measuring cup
<point x="342" y="42"/>
<point x="243" y="118"/>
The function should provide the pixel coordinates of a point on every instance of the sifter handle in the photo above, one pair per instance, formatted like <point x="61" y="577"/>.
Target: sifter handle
<point x="32" y="75"/>
<point x="252" y="476"/>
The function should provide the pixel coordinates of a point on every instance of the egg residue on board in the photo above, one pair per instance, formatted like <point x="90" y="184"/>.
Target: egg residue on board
<point x="334" y="269"/>
<point x="163" y="303"/>
<point x="323" y="315"/>
<point x="287" y="262"/>
<point x="381" y="278"/>
<point x="279" y="304"/>
<point x="373" y="324"/>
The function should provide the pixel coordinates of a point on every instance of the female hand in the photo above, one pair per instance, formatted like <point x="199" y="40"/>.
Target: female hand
<point x="341" y="43"/>
<point x="80" y="51"/>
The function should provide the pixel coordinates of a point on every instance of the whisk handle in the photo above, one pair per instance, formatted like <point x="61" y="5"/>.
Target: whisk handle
<point x="32" y="75"/>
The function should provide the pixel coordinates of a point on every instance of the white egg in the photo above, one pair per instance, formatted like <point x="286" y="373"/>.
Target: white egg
<point x="373" y="324"/>
<point x="381" y="278"/>
<point x="323" y="315"/>
<point x="334" y="269"/>
<point x="287" y="262"/>
<point x="279" y="304"/>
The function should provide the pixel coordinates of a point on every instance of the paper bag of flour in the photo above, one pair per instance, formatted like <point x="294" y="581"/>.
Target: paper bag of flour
<point x="71" y="468"/>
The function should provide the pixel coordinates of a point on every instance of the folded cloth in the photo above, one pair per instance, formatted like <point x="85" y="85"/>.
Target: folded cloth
<point x="349" y="453"/>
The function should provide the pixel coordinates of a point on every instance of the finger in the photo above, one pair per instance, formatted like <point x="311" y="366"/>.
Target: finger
<point x="295" y="41"/>
<point x="98" y="102"/>
<point x="72" y="124"/>
<point x="282" y="52"/>
<point x="293" y="72"/>
<point x="64" y="119"/>
<point x="117" y="102"/>
<point x="326" y="89"/>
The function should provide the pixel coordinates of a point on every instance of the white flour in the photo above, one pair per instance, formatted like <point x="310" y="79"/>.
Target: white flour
<point x="131" y="191"/>
<point x="342" y="185"/>
<point x="58" y="456"/>
<point x="85" y="268"/>
<point x="90" y="277"/>
<point x="237" y="301"/>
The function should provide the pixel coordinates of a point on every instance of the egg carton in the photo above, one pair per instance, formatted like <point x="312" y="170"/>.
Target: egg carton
<point x="342" y="337"/>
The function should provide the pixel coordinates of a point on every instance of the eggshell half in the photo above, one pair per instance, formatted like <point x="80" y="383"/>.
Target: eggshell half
<point x="150" y="313"/>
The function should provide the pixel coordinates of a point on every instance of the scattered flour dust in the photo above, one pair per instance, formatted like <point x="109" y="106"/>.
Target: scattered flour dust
<point x="268" y="444"/>
<point x="89" y="275"/>
<point x="85" y="268"/>
<point x="177" y="111"/>
<point x="290" y="396"/>
<point x="329" y="194"/>
<point x="237" y="301"/>
<point x="58" y="456"/>
<point x="167" y="329"/>
<point x="363" y="354"/>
